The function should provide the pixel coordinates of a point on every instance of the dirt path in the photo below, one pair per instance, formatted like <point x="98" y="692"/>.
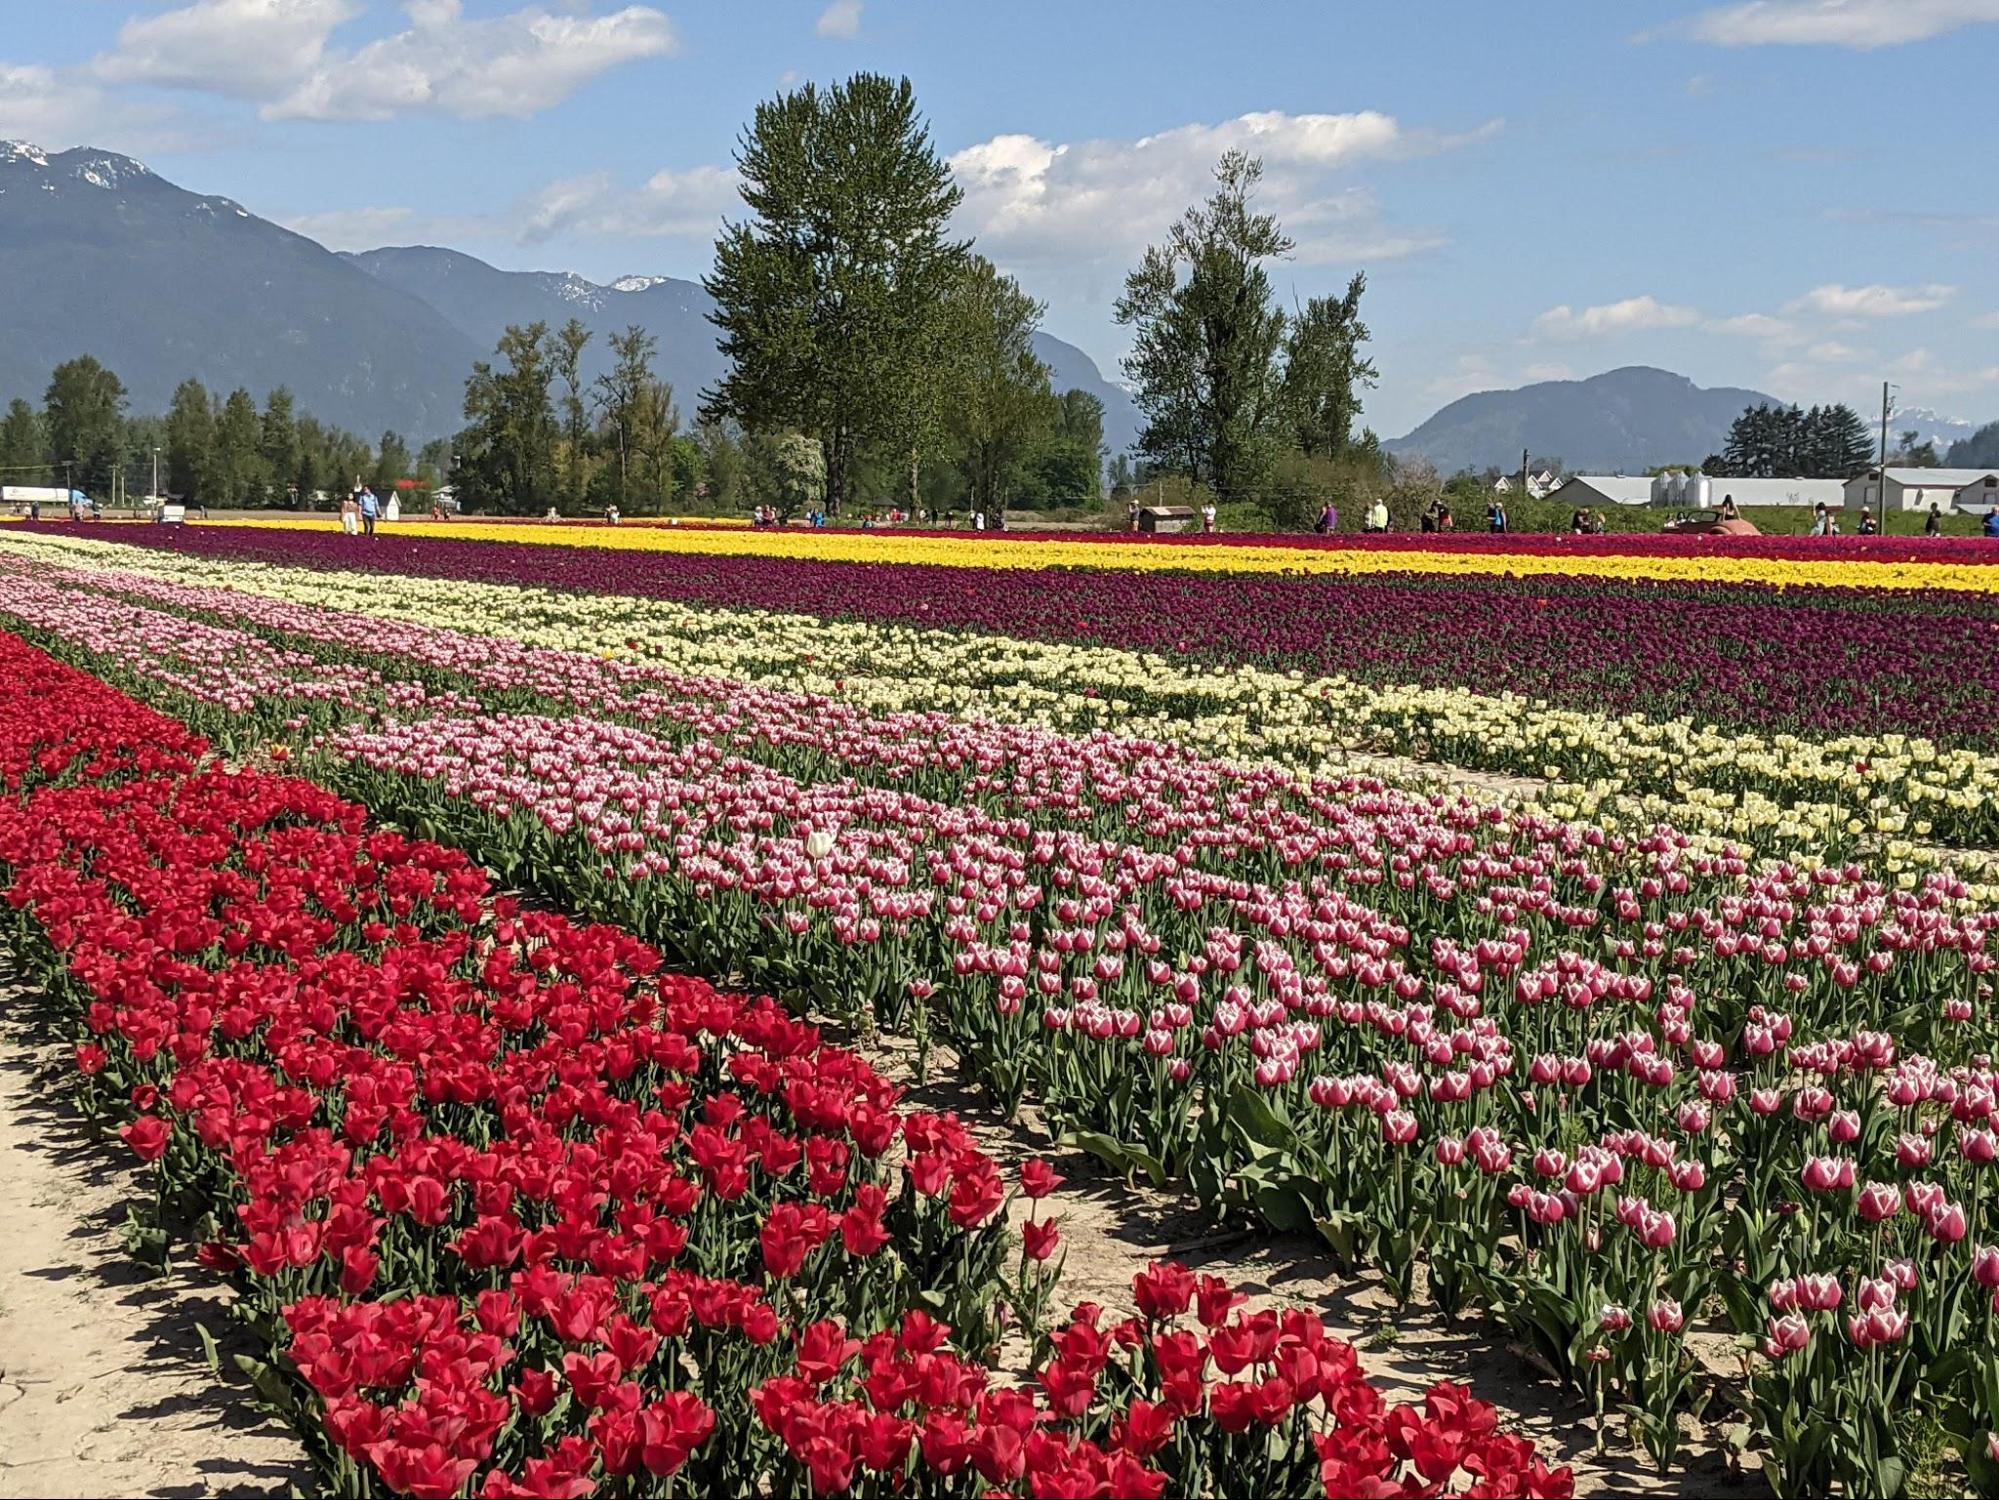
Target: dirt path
<point x="1111" y="1230"/>
<point x="103" y="1386"/>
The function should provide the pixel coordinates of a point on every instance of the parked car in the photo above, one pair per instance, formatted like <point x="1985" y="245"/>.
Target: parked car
<point x="1709" y="523"/>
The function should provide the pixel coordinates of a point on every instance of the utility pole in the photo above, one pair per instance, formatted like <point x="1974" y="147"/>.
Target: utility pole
<point x="1523" y="475"/>
<point x="1881" y="493"/>
<point x="156" y="473"/>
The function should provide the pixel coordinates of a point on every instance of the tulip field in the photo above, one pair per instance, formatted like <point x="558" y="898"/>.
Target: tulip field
<point x="1593" y="941"/>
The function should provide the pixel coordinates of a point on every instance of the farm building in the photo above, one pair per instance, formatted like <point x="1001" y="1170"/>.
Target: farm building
<point x="1695" y="491"/>
<point x="1919" y="489"/>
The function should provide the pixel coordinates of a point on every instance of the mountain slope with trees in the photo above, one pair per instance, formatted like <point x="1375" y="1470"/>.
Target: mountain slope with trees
<point x="103" y="257"/>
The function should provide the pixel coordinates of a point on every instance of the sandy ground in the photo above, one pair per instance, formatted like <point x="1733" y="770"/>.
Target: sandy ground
<point x="1112" y="1229"/>
<point x="104" y="1389"/>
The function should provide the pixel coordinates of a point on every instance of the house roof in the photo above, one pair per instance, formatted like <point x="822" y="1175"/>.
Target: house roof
<point x="1929" y="478"/>
<point x="1619" y="489"/>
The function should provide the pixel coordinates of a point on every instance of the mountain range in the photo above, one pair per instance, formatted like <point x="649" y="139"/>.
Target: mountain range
<point x="99" y="255"/>
<point x="1623" y="420"/>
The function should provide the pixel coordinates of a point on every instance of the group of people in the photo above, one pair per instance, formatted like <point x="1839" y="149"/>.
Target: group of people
<point x="1589" y="523"/>
<point x="360" y="511"/>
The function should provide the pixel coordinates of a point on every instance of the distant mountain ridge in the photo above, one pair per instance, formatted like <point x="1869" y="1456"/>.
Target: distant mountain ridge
<point x="1629" y="420"/>
<point x="99" y="255"/>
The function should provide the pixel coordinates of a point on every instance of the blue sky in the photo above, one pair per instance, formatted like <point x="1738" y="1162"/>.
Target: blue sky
<point x="1794" y="195"/>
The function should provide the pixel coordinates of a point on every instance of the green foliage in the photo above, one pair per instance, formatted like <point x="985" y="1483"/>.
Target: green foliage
<point x="1206" y="335"/>
<point x="1324" y="371"/>
<point x="790" y="470"/>
<point x="392" y="462"/>
<point x="83" y="415"/>
<point x="238" y="476"/>
<point x="190" y="451"/>
<point x="830" y="297"/>
<point x="1979" y="451"/>
<point x="1826" y="442"/>
<point x="507" y="454"/>
<point x="998" y="395"/>
<point x="21" y="444"/>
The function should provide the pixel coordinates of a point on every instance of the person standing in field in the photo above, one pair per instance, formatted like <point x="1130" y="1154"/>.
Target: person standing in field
<point x="1208" y="518"/>
<point x="1495" y="516"/>
<point x="350" y="514"/>
<point x="1933" y="525"/>
<point x="371" y="510"/>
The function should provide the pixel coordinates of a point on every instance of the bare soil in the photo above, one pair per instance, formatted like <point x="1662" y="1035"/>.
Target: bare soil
<point x="104" y="1388"/>
<point x="1112" y="1229"/>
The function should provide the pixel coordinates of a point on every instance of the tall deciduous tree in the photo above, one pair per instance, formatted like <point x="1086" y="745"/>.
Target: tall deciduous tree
<point x="280" y="444"/>
<point x="567" y="346"/>
<point x="622" y="394"/>
<point x="190" y="442"/>
<point x="507" y="454"/>
<point x="828" y="296"/>
<point x="1206" y="333"/>
<point x="392" y="462"/>
<point x="84" y="415"/>
<point x="239" y="460"/>
<point x="997" y="390"/>
<point x="21" y="447"/>
<point x="1325" y="372"/>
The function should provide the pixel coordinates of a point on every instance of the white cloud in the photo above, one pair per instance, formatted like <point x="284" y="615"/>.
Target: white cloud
<point x="1754" y="326"/>
<point x="1632" y="315"/>
<point x="1832" y="352"/>
<point x="281" y="54"/>
<point x="242" y="49"/>
<point x="1837" y="301"/>
<point x="1859" y="24"/>
<point x="687" y="204"/>
<point x="57" y="110"/>
<point x="514" y="66"/>
<point x="1029" y="200"/>
<point x="840" y="19"/>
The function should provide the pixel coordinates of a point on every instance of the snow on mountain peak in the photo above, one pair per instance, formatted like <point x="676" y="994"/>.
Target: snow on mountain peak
<point x="637" y="283"/>
<point x="11" y="151"/>
<point x="108" y="171"/>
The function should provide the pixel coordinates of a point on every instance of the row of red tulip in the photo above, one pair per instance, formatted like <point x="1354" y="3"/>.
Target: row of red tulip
<point x="523" y="1213"/>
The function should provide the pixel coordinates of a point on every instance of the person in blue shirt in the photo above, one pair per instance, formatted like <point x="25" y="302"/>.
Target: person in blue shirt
<point x="1991" y="527"/>
<point x="371" y="509"/>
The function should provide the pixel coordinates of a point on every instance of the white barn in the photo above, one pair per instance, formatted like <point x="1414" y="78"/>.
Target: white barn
<point x="1919" y="489"/>
<point x="1593" y="491"/>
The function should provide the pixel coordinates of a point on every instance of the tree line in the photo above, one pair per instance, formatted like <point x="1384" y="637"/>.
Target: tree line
<point x="873" y="358"/>
<point x="1787" y="442"/>
<point x="220" y="450"/>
